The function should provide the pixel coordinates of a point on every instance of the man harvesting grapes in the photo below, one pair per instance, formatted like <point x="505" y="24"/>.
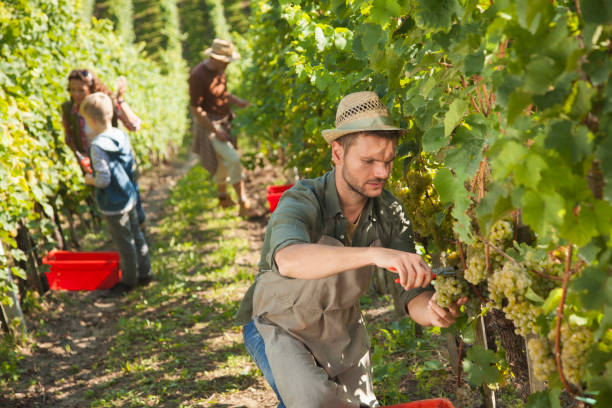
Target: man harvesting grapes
<point x="302" y="321"/>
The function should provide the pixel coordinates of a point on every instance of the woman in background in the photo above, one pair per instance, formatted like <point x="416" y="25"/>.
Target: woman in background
<point x="83" y="82"/>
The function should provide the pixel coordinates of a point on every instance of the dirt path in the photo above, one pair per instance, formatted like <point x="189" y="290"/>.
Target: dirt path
<point x="88" y="350"/>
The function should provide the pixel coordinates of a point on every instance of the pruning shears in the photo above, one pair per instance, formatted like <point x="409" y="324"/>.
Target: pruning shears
<point x="442" y="271"/>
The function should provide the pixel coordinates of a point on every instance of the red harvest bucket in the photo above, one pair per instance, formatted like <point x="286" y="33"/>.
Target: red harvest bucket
<point x="82" y="270"/>
<point x="429" y="403"/>
<point x="274" y="193"/>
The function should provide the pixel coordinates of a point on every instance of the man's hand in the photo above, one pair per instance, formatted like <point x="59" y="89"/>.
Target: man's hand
<point x="441" y="317"/>
<point x="424" y="310"/>
<point x="413" y="271"/>
<point x="89" y="180"/>
<point x="220" y="133"/>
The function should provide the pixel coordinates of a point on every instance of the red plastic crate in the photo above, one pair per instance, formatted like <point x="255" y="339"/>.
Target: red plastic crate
<point x="429" y="403"/>
<point x="274" y="193"/>
<point x="82" y="270"/>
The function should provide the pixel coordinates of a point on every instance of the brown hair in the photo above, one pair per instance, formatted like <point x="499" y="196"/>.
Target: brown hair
<point x="97" y="107"/>
<point x="91" y="80"/>
<point x="346" y="141"/>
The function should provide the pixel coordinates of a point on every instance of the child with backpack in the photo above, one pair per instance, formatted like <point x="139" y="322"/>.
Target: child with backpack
<point x="115" y="190"/>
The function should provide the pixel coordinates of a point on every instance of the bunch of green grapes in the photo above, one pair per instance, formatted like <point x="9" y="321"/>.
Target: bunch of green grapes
<point x="575" y="343"/>
<point x="541" y="354"/>
<point x="449" y="289"/>
<point x="523" y="314"/>
<point x="547" y="265"/>
<point x="501" y="233"/>
<point x="510" y="282"/>
<point x="424" y="207"/>
<point x="476" y="270"/>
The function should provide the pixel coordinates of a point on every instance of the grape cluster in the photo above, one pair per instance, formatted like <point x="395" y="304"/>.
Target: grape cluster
<point x="575" y="343"/>
<point x="501" y="233"/>
<point x="424" y="207"/>
<point x="523" y="314"/>
<point x="540" y="353"/>
<point x="449" y="289"/>
<point x="476" y="270"/>
<point x="547" y="265"/>
<point x="511" y="282"/>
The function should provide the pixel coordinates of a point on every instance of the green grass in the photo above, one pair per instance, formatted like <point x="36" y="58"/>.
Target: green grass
<point x="178" y="341"/>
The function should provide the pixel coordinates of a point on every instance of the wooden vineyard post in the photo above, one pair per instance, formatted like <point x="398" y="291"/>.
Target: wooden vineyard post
<point x="24" y="242"/>
<point x="12" y="313"/>
<point x="453" y="353"/>
<point x="481" y="338"/>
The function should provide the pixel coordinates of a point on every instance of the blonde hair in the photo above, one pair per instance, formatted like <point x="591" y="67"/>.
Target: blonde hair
<point x="97" y="107"/>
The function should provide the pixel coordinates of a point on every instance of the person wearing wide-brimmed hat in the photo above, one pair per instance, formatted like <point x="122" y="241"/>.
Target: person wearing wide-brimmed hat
<point x="301" y="318"/>
<point x="211" y="109"/>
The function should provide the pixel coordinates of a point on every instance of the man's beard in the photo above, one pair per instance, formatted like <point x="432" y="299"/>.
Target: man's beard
<point x="359" y="190"/>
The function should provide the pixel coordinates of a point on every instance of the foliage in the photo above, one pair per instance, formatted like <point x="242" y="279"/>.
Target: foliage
<point x="9" y="360"/>
<point x="508" y="111"/>
<point x="199" y="33"/>
<point x="41" y="42"/>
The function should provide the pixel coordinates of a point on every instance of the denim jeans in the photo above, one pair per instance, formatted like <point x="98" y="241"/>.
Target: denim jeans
<point x="255" y="346"/>
<point x="132" y="246"/>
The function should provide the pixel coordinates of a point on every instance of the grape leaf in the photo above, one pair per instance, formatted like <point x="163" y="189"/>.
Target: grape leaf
<point x="573" y="146"/>
<point x="506" y="158"/>
<point x="493" y="206"/>
<point x="366" y="40"/>
<point x="603" y="384"/>
<point x="542" y="210"/>
<point x="533" y="13"/>
<point x="579" y="103"/>
<point x="538" y="75"/>
<point x="591" y="287"/>
<point x="465" y="153"/>
<point x="382" y="11"/>
<point x="436" y="14"/>
<point x="517" y="102"/>
<point x="473" y="63"/>
<point x="598" y="67"/>
<point x="579" y="229"/>
<point x="480" y="366"/>
<point x="455" y="114"/>
<point x="539" y="399"/>
<point x="434" y="139"/>
<point x="528" y="172"/>
<point x="452" y="190"/>
<point x="603" y="154"/>
<point x="597" y="12"/>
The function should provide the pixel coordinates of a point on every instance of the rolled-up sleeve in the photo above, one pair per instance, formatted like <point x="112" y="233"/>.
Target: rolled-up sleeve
<point x="291" y="221"/>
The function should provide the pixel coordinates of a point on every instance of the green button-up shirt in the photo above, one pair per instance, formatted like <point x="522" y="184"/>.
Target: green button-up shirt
<point x="311" y="209"/>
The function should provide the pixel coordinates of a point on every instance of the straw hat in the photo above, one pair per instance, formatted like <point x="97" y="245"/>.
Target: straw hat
<point x="360" y="112"/>
<point x="222" y="50"/>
